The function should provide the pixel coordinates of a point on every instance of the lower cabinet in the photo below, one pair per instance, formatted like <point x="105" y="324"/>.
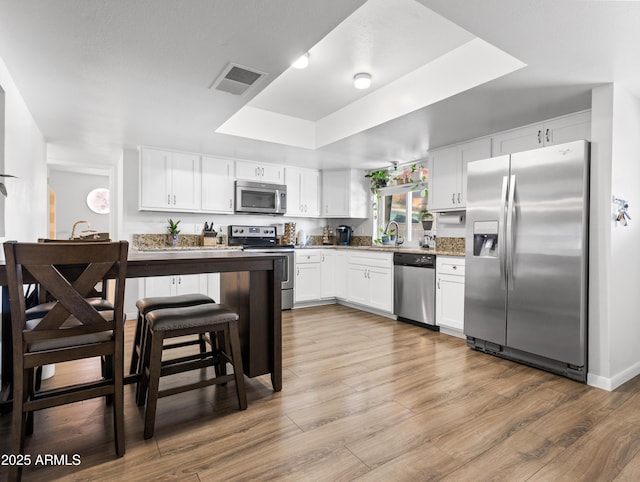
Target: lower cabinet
<point x="370" y="279"/>
<point x="329" y="274"/>
<point x="359" y="277"/>
<point x="450" y="294"/>
<point x="176" y="285"/>
<point x="308" y="276"/>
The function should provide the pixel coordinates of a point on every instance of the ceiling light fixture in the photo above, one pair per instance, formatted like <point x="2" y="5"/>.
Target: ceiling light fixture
<point x="362" y="80"/>
<point x="302" y="62"/>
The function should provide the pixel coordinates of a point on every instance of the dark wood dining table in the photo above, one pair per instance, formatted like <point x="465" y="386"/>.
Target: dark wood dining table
<point x="250" y="283"/>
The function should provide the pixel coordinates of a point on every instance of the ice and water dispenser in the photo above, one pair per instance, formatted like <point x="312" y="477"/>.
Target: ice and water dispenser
<point x="485" y="239"/>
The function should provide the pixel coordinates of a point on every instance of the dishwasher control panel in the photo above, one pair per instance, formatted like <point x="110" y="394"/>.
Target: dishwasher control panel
<point x="413" y="259"/>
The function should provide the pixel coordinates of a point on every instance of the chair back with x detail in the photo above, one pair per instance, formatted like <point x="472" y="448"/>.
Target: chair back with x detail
<point x="69" y="330"/>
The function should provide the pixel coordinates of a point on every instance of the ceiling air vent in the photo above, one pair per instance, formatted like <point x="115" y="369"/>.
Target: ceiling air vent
<point x="236" y="79"/>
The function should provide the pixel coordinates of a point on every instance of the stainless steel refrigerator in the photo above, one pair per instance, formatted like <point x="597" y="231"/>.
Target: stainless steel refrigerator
<point x="526" y="257"/>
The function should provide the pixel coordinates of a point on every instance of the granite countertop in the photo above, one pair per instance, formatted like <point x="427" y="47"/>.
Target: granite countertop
<point x="390" y="249"/>
<point x="146" y="249"/>
<point x="149" y="243"/>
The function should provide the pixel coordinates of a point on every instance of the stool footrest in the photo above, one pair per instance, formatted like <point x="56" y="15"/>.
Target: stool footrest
<point x="185" y="366"/>
<point x="193" y="386"/>
<point x="181" y="344"/>
<point x="198" y="356"/>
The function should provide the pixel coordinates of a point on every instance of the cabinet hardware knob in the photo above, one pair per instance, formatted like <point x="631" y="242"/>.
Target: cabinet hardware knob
<point x="547" y="135"/>
<point x="453" y="198"/>
<point x="438" y="283"/>
<point x="174" y="199"/>
<point x="539" y="136"/>
<point x="168" y="198"/>
<point x="458" y="198"/>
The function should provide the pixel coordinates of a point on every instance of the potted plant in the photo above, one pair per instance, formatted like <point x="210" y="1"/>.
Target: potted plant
<point x="427" y="219"/>
<point x="173" y="231"/>
<point x="417" y="173"/>
<point x="379" y="179"/>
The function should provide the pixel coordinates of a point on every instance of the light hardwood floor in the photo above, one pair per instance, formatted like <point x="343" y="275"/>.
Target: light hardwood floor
<point x="364" y="398"/>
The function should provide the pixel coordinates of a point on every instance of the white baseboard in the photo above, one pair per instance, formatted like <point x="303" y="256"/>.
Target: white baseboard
<point x="615" y="381"/>
<point x="307" y="304"/>
<point x="368" y="309"/>
<point x="452" y="332"/>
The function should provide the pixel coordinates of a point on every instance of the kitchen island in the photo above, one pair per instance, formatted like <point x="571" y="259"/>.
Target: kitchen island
<point x="251" y="286"/>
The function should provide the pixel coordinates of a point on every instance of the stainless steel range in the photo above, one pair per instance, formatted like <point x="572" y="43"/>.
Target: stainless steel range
<point x="263" y="239"/>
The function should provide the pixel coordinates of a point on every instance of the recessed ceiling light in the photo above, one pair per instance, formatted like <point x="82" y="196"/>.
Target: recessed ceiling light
<point x="302" y="62"/>
<point x="362" y="80"/>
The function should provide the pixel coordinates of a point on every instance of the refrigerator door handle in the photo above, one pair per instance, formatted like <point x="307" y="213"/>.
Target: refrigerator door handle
<point x="509" y="236"/>
<point x="502" y="232"/>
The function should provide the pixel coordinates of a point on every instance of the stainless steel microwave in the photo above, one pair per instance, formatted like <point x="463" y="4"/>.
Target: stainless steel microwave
<point x="260" y="198"/>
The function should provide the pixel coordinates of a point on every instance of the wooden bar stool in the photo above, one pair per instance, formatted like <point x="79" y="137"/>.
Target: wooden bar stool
<point x="215" y="319"/>
<point x="71" y="329"/>
<point x="146" y="305"/>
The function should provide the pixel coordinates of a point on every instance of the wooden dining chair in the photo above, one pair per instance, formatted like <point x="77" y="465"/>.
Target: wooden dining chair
<point x="72" y="329"/>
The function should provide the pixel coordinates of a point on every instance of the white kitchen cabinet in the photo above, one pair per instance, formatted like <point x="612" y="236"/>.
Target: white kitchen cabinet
<point x="345" y="194"/>
<point x="448" y="176"/>
<point x="358" y="284"/>
<point x="333" y="274"/>
<point x="340" y="258"/>
<point x="303" y="192"/>
<point x="175" y="285"/>
<point x="259" y="172"/>
<point x="450" y="294"/>
<point x="553" y="131"/>
<point x="308" y="276"/>
<point x="327" y="273"/>
<point x="217" y="185"/>
<point x="370" y="279"/>
<point x="169" y="181"/>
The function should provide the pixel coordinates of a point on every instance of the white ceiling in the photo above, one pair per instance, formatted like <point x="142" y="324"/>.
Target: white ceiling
<point x="415" y="58"/>
<point x="387" y="39"/>
<point x="106" y="75"/>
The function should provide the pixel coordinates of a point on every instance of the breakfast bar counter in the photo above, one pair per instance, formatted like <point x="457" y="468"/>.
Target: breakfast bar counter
<point x="250" y="285"/>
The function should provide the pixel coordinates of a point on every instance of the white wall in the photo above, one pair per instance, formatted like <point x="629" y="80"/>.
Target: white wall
<point x="71" y="189"/>
<point x="24" y="157"/>
<point x="614" y="271"/>
<point x="625" y="240"/>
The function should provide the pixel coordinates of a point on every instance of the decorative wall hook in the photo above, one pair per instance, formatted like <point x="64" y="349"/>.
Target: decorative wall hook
<point x="622" y="215"/>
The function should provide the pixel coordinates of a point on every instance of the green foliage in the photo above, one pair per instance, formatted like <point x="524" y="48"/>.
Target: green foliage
<point x="173" y="227"/>
<point x="379" y="179"/>
<point x="425" y="215"/>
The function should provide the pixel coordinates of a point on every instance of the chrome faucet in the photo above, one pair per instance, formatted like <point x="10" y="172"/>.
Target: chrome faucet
<point x="73" y="231"/>
<point x="386" y="231"/>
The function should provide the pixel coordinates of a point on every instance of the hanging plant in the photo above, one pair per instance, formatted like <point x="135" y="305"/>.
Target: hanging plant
<point x="379" y="178"/>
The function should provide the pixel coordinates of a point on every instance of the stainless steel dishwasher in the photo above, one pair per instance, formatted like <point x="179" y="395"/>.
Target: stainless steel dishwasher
<point x="415" y="288"/>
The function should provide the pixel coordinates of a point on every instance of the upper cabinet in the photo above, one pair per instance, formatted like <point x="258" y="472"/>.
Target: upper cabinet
<point x="217" y="185"/>
<point x="259" y="172"/>
<point x="345" y="194"/>
<point x="303" y="192"/>
<point x="555" y="131"/>
<point x="169" y="181"/>
<point x="448" y="176"/>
